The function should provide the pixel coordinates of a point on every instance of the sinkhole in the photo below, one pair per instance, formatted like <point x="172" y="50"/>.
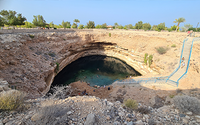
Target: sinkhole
<point x="96" y="70"/>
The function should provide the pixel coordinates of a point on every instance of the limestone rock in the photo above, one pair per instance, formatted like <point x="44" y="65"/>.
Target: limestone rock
<point x="117" y="123"/>
<point x="189" y="113"/>
<point x="185" y="120"/>
<point x="90" y="120"/>
<point x="139" y="122"/>
<point x="130" y="123"/>
<point x="36" y="117"/>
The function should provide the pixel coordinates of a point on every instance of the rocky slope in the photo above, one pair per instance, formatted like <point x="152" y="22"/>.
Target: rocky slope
<point x="90" y="110"/>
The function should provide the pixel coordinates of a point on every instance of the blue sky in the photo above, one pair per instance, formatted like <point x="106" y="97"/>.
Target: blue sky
<point x="108" y="11"/>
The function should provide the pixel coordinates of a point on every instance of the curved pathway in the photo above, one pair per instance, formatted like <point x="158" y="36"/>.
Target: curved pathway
<point x="174" y="77"/>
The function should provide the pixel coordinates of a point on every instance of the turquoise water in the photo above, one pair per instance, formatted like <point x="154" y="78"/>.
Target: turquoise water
<point x="96" y="70"/>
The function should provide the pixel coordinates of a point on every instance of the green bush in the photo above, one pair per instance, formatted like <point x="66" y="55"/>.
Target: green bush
<point x="132" y="104"/>
<point x="11" y="100"/>
<point x="169" y="29"/>
<point x="109" y="34"/>
<point x="160" y="27"/>
<point x="145" y="58"/>
<point x="81" y="26"/>
<point x="162" y="50"/>
<point x="173" y="45"/>
<point x="150" y="60"/>
<point x="146" y="26"/>
<point x="194" y="29"/>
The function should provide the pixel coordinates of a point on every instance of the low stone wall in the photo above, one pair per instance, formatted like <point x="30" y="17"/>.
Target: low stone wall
<point x="11" y="31"/>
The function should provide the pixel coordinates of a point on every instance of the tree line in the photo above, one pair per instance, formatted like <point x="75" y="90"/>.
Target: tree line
<point x="11" y="18"/>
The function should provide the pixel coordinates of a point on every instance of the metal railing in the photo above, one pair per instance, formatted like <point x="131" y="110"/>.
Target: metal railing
<point x="179" y="61"/>
<point x="188" y="62"/>
<point x="165" y="79"/>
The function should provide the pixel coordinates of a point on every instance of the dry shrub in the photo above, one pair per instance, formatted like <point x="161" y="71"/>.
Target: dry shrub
<point x="162" y="50"/>
<point x="60" y="92"/>
<point x="50" y="110"/>
<point x="132" y="104"/>
<point x="11" y="100"/>
<point x="186" y="103"/>
<point x="151" y="122"/>
<point x="143" y="110"/>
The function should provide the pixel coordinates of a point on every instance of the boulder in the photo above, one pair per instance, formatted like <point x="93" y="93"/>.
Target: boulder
<point x="90" y="120"/>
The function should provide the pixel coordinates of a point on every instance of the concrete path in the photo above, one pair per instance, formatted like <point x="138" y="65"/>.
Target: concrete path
<point x="186" y="54"/>
<point x="174" y="77"/>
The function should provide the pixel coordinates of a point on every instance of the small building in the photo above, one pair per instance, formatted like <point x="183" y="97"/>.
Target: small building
<point x="110" y="27"/>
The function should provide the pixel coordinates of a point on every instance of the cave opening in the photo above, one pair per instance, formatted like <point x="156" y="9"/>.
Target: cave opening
<point x="96" y="70"/>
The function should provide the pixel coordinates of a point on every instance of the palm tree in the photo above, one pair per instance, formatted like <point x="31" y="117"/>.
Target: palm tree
<point x="77" y="21"/>
<point x="179" y="20"/>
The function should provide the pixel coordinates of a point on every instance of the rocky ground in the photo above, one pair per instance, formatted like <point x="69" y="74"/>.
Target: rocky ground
<point x="90" y="110"/>
<point x="26" y="63"/>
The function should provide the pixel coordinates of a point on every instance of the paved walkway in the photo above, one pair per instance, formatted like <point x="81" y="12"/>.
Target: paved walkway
<point x="171" y="79"/>
<point x="186" y="53"/>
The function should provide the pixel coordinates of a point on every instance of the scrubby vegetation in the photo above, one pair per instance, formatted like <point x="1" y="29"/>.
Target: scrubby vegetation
<point x="173" y="45"/>
<point x="150" y="60"/>
<point x="143" y="110"/>
<point x="132" y="104"/>
<point x="11" y="100"/>
<point x="186" y="103"/>
<point x="31" y="36"/>
<point x="145" y="58"/>
<point x="49" y="112"/>
<point x="162" y="50"/>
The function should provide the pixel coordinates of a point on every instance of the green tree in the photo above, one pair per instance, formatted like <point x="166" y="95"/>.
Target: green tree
<point x="90" y="25"/>
<point x="120" y="27"/>
<point x="139" y="25"/>
<point x="85" y="27"/>
<point x="129" y="26"/>
<point x="187" y="26"/>
<point x="179" y="20"/>
<point x="9" y="18"/>
<point x="20" y="19"/>
<point x="80" y="26"/>
<point x="39" y="21"/>
<point x="65" y="24"/>
<point x="160" y="27"/>
<point x="76" y="21"/>
<point x="146" y="26"/>
<point x="174" y="27"/>
<point x="51" y="24"/>
<point x="98" y="26"/>
<point x="116" y="25"/>
<point x="68" y="24"/>
<point x="1" y="22"/>
<point x="74" y="25"/>
<point x="104" y="26"/>
<point x="29" y="25"/>
<point x="154" y="27"/>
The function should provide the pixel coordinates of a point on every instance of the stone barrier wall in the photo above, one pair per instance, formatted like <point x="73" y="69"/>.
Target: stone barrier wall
<point x="11" y="31"/>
